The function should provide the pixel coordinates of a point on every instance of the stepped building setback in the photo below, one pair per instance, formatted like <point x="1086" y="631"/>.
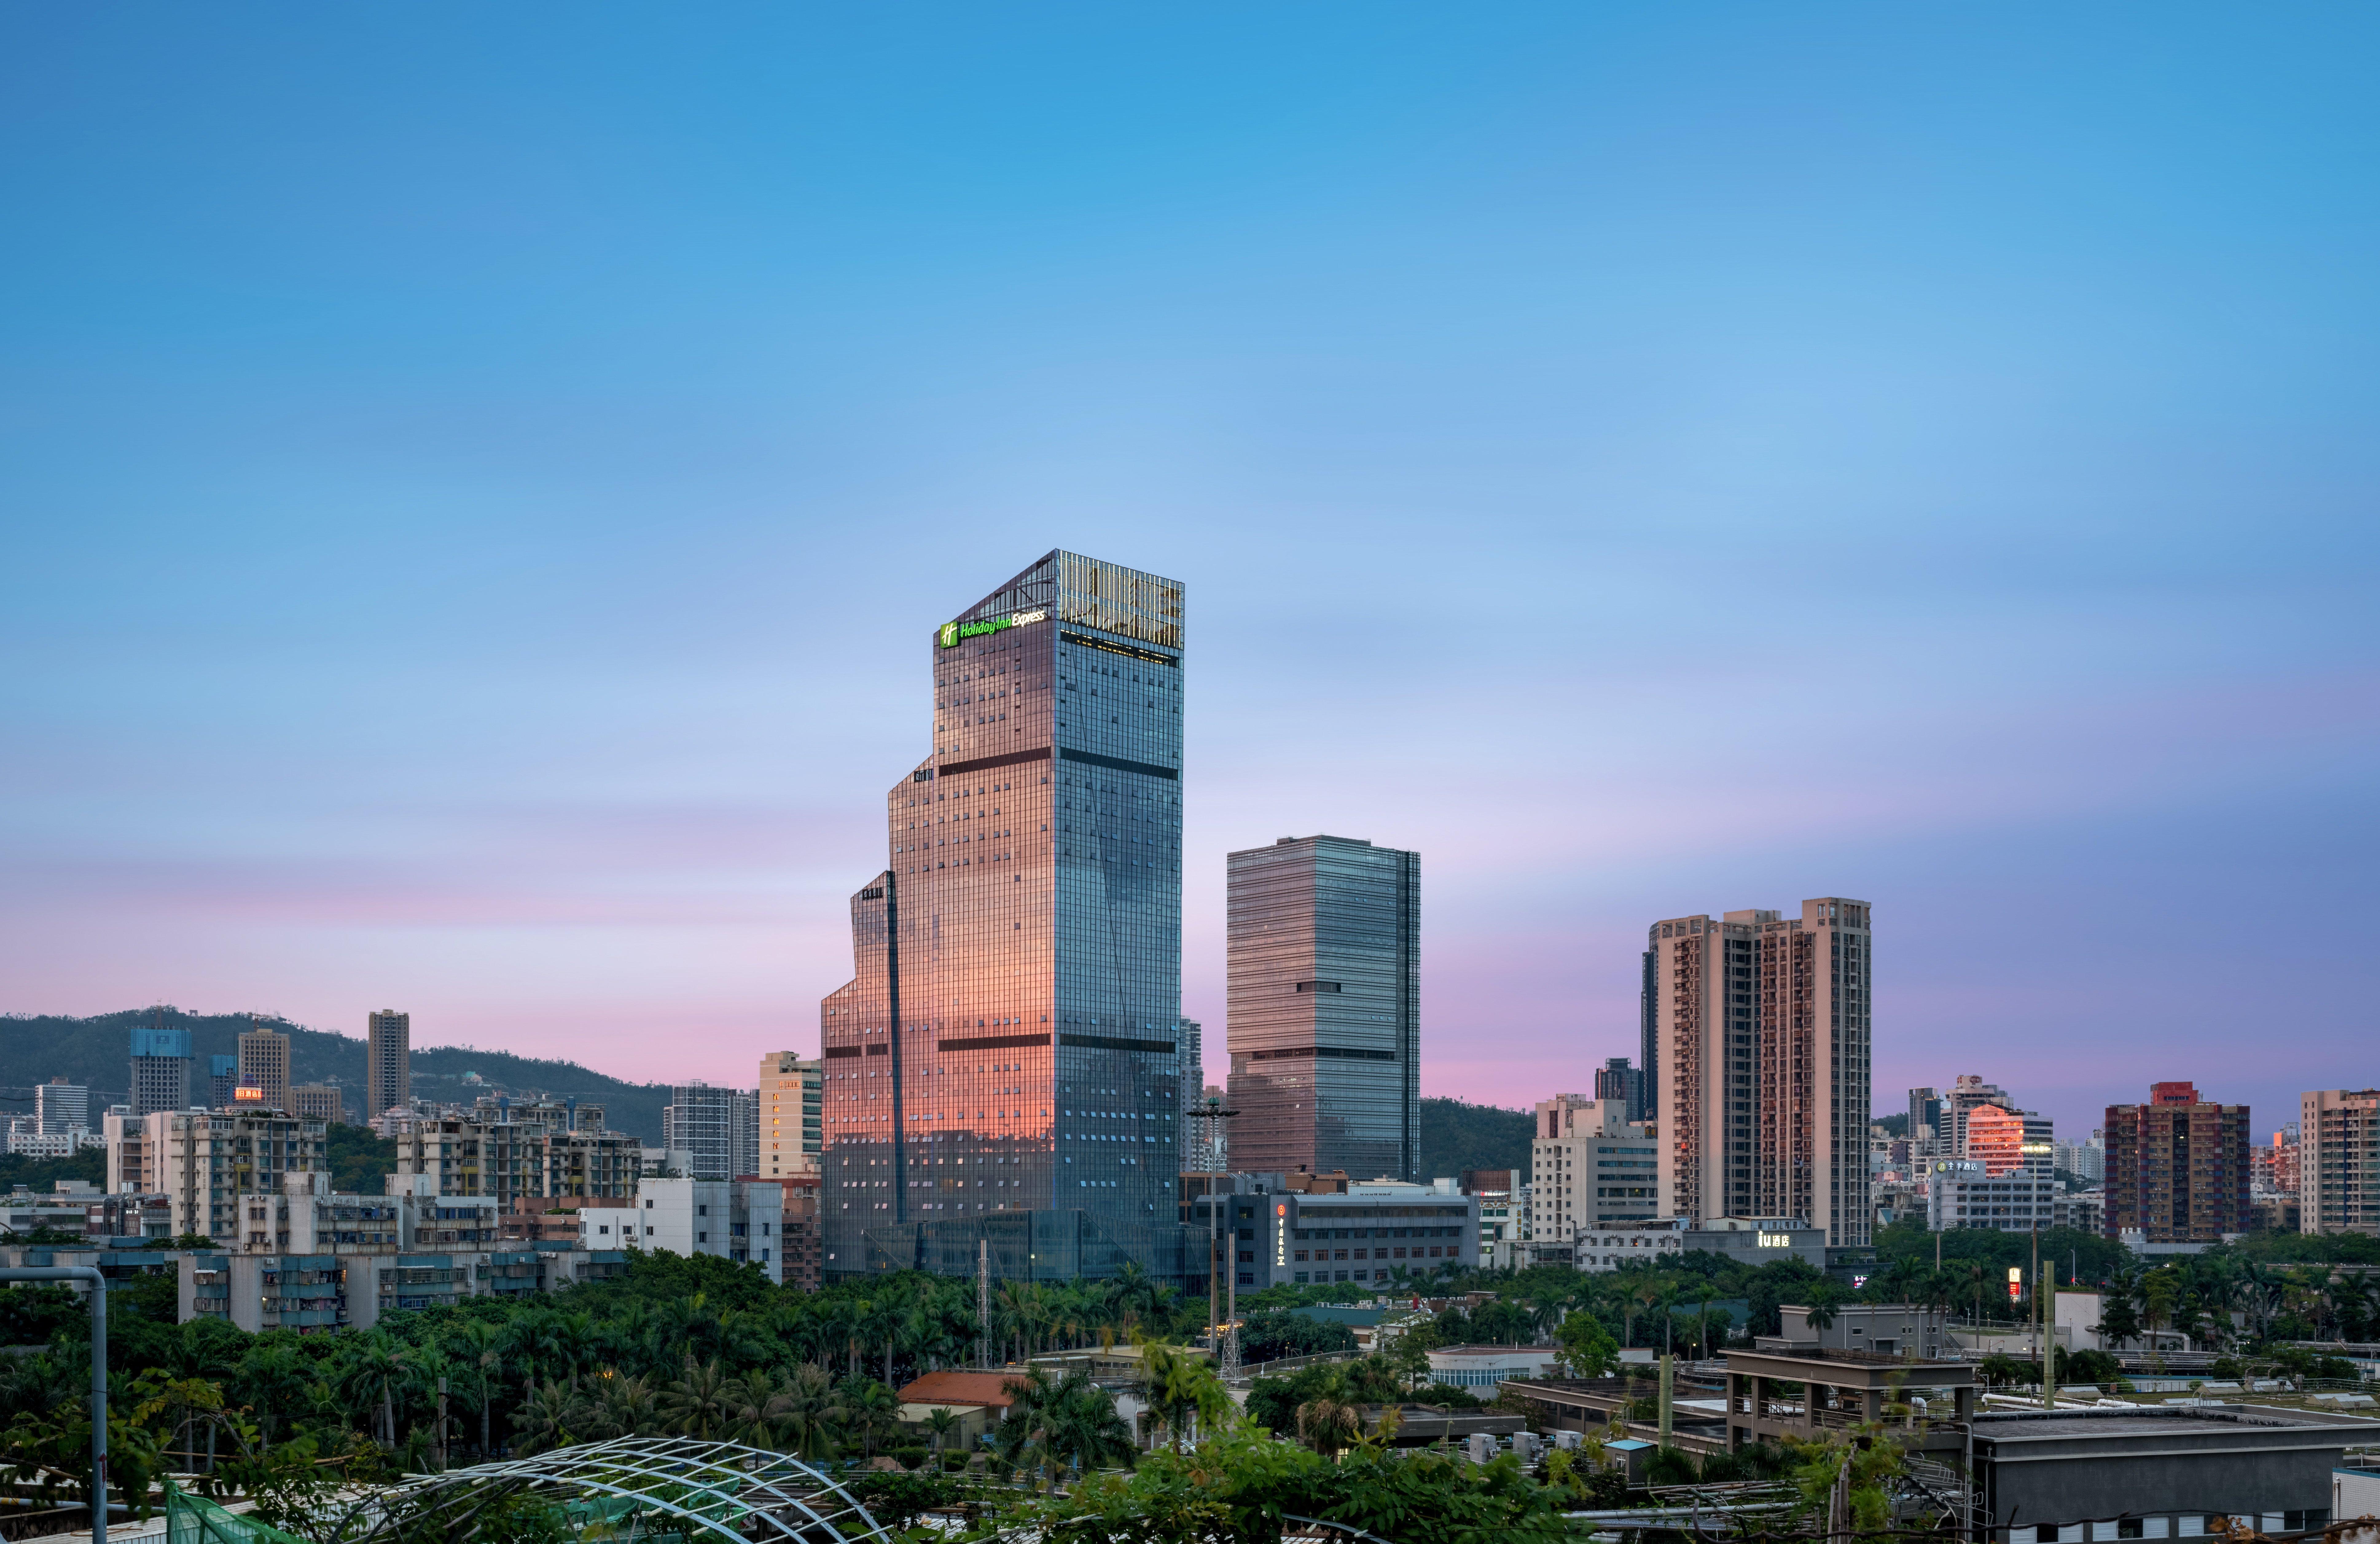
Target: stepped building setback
<point x="1003" y="1071"/>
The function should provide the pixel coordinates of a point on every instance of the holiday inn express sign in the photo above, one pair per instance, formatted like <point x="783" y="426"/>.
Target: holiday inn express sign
<point x="954" y="632"/>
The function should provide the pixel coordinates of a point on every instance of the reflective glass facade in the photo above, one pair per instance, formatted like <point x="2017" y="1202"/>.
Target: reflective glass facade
<point x="1002" y="1066"/>
<point x="1324" y="999"/>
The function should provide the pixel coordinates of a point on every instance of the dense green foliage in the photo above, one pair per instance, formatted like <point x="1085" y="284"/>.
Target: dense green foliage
<point x="1457" y="1135"/>
<point x="2354" y="1248"/>
<point x="1239" y="1485"/>
<point x="2077" y="1255"/>
<point x="699" y="1345"/>
<point x="1266" y="1336"/>
<point x="361" y="1161"/>
<point x="42" y="1175"/>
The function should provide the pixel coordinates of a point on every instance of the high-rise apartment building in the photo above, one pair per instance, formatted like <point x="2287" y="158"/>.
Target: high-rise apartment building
<point x="1925" y="1121"/>
<point x="1190" y="1044"/>
<point x="205" y="1161"/>
<point x="388" y="1061"/>
<point x="1648" y="1031"/>
<point x="2273" y="1171"/>
<point x="1590" y="1167"/>
<point x="2087" y="1160"/>
<point x="61" y="1107"/>
<point x="1003" y="1067"/>
<point x="718" y="1129"/>
<point x="223" y="1081"/>
<point x="2176" y="1168"/>
<point x="1760" y="1079"/>
<point x="1994" y="1139"/>
<point x="1206" y="1141"/>
<point x="2338" y="1160"/>
<point x="264" y="1065"/>
<point x="318" y="1102"/>
<point x="792" y="1100"/>
<point x="484" y="1152"/>
<point x="1617" y="1082"/>
<point x="1969" y="1094"/>
<point x="161" y="1067"/>
<point x="1323" y="992"/>
<point x="2040" y="1145"/>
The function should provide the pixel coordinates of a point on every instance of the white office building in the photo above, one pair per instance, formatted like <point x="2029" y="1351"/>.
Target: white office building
<point x="1961" y="1194"/>
<point x="740" y="1220"/>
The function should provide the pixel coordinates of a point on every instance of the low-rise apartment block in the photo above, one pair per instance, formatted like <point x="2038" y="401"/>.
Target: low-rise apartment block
<point x="1964" y="1193"/>
<point x="1590" y="1168"/>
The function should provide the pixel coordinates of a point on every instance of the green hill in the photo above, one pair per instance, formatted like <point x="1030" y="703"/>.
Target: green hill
<point x="1456" y="1136"/>
<point x="94" y="1051"/>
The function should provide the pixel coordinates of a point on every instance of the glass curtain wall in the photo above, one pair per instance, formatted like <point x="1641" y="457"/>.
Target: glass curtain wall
<point x="1002" y="1067"/>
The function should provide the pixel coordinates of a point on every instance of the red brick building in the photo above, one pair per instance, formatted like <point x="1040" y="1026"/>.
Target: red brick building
<point x="2178" y="1168"/>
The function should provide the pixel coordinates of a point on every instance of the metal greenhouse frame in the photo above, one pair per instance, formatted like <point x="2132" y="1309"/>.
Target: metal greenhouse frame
<point x="631" y="1487"/>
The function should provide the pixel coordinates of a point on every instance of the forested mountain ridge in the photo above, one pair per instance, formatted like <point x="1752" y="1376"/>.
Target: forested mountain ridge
<point x="95" y="1052"/>
<point x="1457" y="1135"/>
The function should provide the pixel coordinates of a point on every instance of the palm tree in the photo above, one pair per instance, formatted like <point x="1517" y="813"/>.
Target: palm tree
<point x="277" y="1380"/>
<point x="752" y="1414"/>
<point x="1330" y="1421"/>
<point x="532" y="1341"/>
<point x="697" y="1402"/>
<point x="621" y="1405"/>
<point x="544" y="1418"/>
<point x="1179" y="1388"/>
<point x="478" y="1351"/>
<point x="850" y="1318"/>
<point x="804" y="1409"/>
<point x="941" y="1421"/>
<point x="577" y="1341"/>
<point x="867" y="1408"/>
<point x="378" y="1370"/>
<point x="1009" y="1316"/>
<point x="1645" y="1296"/>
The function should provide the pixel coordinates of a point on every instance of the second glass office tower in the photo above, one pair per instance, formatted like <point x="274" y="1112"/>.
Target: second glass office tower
<point x="1324" y="997"/>
<point x="1001" y="1072"/>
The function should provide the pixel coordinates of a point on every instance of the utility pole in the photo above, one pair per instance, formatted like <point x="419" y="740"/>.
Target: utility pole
<point x="983" y="1301"/>
<point x="1669" y="1388"/>
<point x="1213" y="1113"/>
<point x="2041" y="1326"/>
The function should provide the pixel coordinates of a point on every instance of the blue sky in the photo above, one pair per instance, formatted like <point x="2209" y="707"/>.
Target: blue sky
<point x="474" y="486"/>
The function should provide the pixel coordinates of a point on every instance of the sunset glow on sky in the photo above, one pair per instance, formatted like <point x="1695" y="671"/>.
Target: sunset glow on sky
<point x="478" y="492"/>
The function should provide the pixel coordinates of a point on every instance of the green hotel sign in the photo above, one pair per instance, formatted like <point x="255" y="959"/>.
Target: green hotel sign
<point x="954" y="633"/>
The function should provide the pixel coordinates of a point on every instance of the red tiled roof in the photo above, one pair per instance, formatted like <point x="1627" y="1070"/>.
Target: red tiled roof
<point x="953" y="1386"/>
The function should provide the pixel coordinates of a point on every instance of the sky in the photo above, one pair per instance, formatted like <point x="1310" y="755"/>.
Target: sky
<point x="475" y="486"/>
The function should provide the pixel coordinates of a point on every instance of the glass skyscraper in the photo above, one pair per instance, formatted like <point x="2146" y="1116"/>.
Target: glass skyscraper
<point x="1001" y="1072"/>
<point x="1324" y="1002"/>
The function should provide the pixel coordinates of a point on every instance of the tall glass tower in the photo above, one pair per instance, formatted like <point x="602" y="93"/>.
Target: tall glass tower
<point x="1001" y="1073"/>
<point x="1323" y="940"/>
